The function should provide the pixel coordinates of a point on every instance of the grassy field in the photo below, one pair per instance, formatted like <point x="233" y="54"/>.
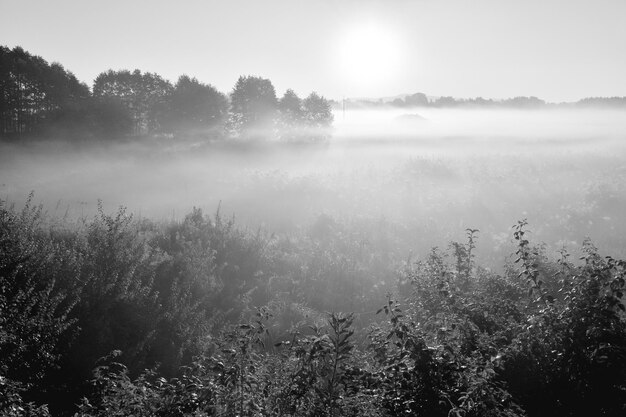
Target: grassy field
<point x="327" y="279"/>
<point x="426" y="180"/>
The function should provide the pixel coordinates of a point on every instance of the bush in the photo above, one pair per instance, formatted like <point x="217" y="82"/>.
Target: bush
<point x="37" y="298"/>
<point x="204" y="318"/>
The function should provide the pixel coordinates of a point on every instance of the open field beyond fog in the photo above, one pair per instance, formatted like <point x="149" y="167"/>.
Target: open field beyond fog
<point x="419" y="177"/>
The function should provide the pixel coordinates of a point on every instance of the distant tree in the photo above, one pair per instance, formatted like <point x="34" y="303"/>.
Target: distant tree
<point x="318" y="116"/>
<point x="398" y="102"/>
<point x="413" y="100"/>
<point x="5" y="90"/>
<point x="416" y="100"/>
<point x="290" y="107"/>
<point x="154" y="92"/>
<point x="524" y="102"/>
<point x="36" y="95"/>
<point x="291" y="115"/>
<point x="445" y="101"/>
<point x="68" y="103"/>
<point x="479" y="101"/>
<point x="602" y="102"/>
<point x="119" y="86"/>
<point x="253" y="106"/>
<point x="193" y="107"/>
<point x="142" y="94"/>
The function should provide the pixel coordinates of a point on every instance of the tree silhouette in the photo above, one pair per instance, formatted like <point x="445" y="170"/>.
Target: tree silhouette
<point x="290" y="106"/>
<point x="253" y="107"/>
<point x="318" y="116"/>
<point x="35" y="94"/>
<point x="39" y="99"/>
<point x="193" y="107"/>
<point x="143" y="94"/>
<point x="291" y="115"/>
<point x="416" y="100"/>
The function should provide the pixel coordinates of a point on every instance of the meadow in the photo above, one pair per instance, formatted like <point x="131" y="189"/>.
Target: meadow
<point x="463" y="262"/>
<point x="563" y="170"/>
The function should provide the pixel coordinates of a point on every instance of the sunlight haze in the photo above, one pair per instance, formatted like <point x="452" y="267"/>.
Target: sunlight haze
<point x="557" y="50"/>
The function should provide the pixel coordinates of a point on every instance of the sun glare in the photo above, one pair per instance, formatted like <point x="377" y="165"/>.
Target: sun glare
<point x="368" y="55"/>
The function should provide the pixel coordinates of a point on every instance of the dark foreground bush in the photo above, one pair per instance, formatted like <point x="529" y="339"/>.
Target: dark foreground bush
<point x="201" y="318"/>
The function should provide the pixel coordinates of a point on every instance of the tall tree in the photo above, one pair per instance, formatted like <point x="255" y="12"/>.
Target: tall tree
<point x="253" y="106"/>
<point x="290" y="106"/>
<point x="416" y="100"/>
<point x="33" y="92"/>
<point x="142" y="94"/>
<point x="291" y="117"/>
<point x="7" y="92"/>
<point x="318" y="116"/>
<point x="193" y="107"/>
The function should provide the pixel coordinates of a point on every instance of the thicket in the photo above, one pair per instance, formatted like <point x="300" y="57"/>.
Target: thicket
<point x="115" y="316"/>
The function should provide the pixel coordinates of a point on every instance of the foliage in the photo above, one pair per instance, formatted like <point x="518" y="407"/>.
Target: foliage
<point x="192" y="108"/>
<point x="13" y="405"/>
<point x="142" y="94"/>
<point x="41" y="100"/>
<point x="569" y="357"/>
<point x="317" y="111"/>
<point x="201" y="317"/>
<point x="36" y="96"/>
<point x="253" y="107"/>
<point x="115" y="394"/>
<point x="309" y="119"/>
<point x="35" y="300"/>
<point x="291" y="116"/>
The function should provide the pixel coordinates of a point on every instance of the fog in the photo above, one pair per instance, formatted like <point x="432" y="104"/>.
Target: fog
<point x="553" y="123"/>
<point x="421" y="176"/>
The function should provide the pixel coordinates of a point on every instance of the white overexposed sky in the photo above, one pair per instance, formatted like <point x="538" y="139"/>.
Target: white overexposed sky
<point x="559" y="50"/>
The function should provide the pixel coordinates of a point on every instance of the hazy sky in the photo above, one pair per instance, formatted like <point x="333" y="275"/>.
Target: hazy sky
<point x="559" y="50"/>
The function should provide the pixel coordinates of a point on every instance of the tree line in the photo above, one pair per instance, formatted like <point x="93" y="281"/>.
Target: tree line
<point x="520" y="102"/>
<point x="39" y="99"/>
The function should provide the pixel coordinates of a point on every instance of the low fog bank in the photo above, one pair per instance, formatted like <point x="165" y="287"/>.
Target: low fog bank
<point x="523" y="124"/>
<point x="419" y="181"/>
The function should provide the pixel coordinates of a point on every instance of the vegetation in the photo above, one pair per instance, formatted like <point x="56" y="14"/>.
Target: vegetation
<point x="520" y="102"/>
<point x="41" y="100"/>
<point x="37" y="96"/>
<point x="113" y="315"/>
<point x="116" y="316"/>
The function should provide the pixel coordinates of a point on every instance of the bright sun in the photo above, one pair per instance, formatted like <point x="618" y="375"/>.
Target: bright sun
<point x="369" y="55"/>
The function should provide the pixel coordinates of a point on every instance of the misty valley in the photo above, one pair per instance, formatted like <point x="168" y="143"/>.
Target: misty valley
<point x="171" y="250"/>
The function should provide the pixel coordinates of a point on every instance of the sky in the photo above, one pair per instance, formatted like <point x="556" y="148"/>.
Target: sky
<point x="559" y="50"/>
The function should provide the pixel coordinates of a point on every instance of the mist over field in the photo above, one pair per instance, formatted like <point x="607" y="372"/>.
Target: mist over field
<point x="313" y="208"/>
<point x="430" y="173"/>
